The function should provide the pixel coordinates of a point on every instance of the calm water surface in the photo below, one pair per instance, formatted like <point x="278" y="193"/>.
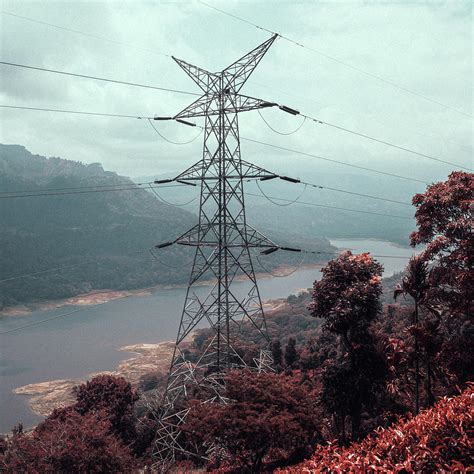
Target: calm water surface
<point x="89" y="341"/>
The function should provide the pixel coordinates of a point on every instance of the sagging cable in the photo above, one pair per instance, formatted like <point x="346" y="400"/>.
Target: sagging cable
<point x="277" y="131"/>
<point x="171" y="141"/>
<point x="277" y="203"/>
<point x="169" y="203"/>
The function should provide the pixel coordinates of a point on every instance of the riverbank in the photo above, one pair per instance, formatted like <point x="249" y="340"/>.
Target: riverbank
<point x="44" y="397"/>
<point x="104" y="296"/>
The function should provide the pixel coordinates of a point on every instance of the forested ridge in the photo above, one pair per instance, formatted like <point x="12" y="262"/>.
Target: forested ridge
<point x="370" y="375"/>
<point x="104" y="236"/>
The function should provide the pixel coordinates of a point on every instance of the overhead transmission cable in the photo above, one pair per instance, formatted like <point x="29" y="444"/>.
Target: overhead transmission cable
<point x="87" y="191"/>
<point x="90" y="35"/>
<point x="282" y="275"/>
<point x="311" y="155"/>
<point x="378" y="140"/>
<point x="78" y="112"/>
<point x="155" y="192"/>
<point x="380" y="214"/>
<point x="297" y="129"/>
<point x="96" y="78"/>
<point x="330" y="160"/>
<point x="270" y="250"/>
<point x="295" y="112"/>
<point x="74" y="188"/>
<point x="339" y="61"/>
<point x="289" y="203"/>
<point x="57" y="269"/>
<point x="167" y="55"/>
<point x="329" y="188"/>
<point x="171" y="141"/>
<point x="58" y="316"/>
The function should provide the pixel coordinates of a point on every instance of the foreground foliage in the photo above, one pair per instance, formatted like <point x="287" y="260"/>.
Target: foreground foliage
<point x="90" y="436"/>
<point x="269" y="417"/>
<point x="438" y="439"/>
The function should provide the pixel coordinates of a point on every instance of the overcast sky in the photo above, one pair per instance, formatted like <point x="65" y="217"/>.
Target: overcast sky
<point x="424" y="46"/>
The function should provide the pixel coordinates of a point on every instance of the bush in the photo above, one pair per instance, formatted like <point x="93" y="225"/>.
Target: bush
<point x="437" y="440"/>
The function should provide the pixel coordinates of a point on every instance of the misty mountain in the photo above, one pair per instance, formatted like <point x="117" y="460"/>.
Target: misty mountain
<point x="107" y="233"/>
<point x="109" y="228"/>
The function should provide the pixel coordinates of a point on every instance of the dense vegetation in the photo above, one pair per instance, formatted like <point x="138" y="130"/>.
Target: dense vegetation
<point x="437" y="440"/>
<point x="363" y="382"/>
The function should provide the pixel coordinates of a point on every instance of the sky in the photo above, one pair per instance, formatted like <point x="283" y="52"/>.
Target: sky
<point x="423" y="46"/>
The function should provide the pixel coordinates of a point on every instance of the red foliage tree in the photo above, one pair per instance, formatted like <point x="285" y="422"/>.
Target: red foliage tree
<point x="436" y="440"/>
<point x="68" y="442"/>
<point x="268" y="417"/>
<point x="415" y="284"/>
<point x="114" y="397"/>
<point x="444" y="220"/>
<point x="347" y="298"/>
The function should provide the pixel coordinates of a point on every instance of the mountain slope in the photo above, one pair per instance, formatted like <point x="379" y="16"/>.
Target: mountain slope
<point x="39" y="233"/>
<point x="105" y="229"/>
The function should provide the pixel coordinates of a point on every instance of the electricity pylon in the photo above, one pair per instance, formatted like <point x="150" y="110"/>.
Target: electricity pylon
<point x="223" y="241"/>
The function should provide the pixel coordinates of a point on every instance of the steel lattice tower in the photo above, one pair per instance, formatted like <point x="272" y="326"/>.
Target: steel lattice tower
<point x="223" y="241"/>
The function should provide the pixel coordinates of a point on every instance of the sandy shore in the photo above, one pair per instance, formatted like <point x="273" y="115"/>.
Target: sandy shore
<point x="44" y="397"/>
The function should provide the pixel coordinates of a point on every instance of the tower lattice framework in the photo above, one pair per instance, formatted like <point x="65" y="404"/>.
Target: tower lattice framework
<point x="223" y="240"/>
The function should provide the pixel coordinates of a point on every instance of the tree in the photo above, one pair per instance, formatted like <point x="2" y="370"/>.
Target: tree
<point x="112" y="395"/>
<point x="277" y="354"/>
<point x="415" y="284"/>
<point x="291" y="354"/>
<point x="347" y="298"/>
<point x="268" y="417"/>
<point x="444" y="221"/>
<point x="436" y="440"/>
<point x="68" y="442"/>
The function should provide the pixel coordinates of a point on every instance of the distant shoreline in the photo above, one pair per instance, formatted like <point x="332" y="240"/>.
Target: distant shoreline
<point x="104" y="296"/>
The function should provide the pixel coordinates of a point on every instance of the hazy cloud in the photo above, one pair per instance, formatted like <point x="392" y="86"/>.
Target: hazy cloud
<point x="425" y="46"/>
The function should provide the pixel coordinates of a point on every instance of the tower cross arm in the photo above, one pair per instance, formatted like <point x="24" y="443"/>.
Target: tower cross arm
<point x="204" y="79"/>
<point x="239" y="71"/>
<point x="209" y="105"/>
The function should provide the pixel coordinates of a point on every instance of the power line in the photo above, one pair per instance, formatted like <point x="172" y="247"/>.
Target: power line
<point x="74" y="188"/>
<point x="243" y="138"/>
<point x="331" y="207"/>
<point x="277" y="131"/>
<point x="72" y="112"/>
<point x="57" y="269"/>
<point x="63" y="315"/>
<point x="339" y="61"/>
<point x="378" y="140"/>
<point x="90" y="35"/>
<point x="89" y="191"/>
<point x="319" y="186"/>
<point x="171" y="141"/>
<point x="311" y="155"/>
<point x="317" y="252"/>
<point x="134" y="84"/>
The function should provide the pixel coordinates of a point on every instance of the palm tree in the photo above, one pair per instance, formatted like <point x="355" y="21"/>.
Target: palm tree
<point x="415" y="284"/>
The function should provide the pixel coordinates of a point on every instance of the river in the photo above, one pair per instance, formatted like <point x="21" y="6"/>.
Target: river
<point x="88" y="342"/>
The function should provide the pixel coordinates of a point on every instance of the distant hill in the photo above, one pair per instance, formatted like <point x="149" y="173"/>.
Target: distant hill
<point x="106" y="228"/>
<point x="39" y="233"/>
